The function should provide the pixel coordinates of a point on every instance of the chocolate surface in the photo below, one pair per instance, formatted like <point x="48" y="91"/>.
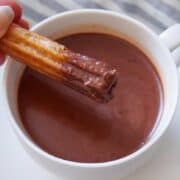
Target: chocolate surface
<point x="73" y="127"/>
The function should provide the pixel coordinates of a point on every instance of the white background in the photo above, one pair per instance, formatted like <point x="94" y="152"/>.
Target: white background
<point x="15" y="164"/>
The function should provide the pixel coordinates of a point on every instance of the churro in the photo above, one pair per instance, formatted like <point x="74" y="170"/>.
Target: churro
<point x="84" y="74"/>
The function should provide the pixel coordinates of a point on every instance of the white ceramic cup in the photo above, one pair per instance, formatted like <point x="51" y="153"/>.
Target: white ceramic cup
<point x="160" y="49"/>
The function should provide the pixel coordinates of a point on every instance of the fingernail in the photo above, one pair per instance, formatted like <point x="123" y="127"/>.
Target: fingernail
<point x="6" y="18"/>
<point x="7" y="13"/>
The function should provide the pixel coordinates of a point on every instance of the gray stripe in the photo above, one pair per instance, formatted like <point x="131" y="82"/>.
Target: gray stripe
<point x="53" y="5"/>
<point x="36" y="16"/>
<point x="89" y="4"/>
<point x="167" y="9"/>
<point x="137" y="10"/>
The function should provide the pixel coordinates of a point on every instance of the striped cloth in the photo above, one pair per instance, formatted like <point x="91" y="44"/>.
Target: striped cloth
<point x="157" y="14"/>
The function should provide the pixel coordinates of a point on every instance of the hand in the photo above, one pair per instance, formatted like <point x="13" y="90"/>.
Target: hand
<point x="10" y="12"/>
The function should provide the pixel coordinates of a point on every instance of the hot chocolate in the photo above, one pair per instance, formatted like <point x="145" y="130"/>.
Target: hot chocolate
<point x="73" y="127"/>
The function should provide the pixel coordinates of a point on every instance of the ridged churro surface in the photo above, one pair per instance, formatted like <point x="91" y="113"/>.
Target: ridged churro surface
<point x="82" y="73"/>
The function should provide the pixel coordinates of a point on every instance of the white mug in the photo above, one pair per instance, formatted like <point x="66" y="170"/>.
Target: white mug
<point x="162" y="50"/>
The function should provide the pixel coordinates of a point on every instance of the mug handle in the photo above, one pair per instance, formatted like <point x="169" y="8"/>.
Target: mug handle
<point x="171" y="38"/>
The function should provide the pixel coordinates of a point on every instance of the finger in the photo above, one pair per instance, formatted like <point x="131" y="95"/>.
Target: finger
<point x="15" y="6"/>
<point x="2" y="57"/>
<point x="7" y="15"/>
<point x="23" y="23"/>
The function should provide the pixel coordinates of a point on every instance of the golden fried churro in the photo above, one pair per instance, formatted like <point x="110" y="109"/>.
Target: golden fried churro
<point x="84" y="74"/>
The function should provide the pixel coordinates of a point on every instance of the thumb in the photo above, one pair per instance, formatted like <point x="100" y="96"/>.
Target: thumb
<point x="6" y="18"/>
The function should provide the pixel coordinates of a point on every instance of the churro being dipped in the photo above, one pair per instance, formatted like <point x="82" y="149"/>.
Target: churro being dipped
<point x="84" y="74"/>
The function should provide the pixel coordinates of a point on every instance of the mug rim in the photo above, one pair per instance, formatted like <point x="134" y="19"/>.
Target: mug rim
<point x="53" y="158"/>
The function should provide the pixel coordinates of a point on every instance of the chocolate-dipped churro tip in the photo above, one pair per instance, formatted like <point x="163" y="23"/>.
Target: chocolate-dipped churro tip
<point x="84" y="74"/>
<point x="88" y="76"/>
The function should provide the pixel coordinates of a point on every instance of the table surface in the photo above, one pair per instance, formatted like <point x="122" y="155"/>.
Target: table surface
<point x="158" y="15"/>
